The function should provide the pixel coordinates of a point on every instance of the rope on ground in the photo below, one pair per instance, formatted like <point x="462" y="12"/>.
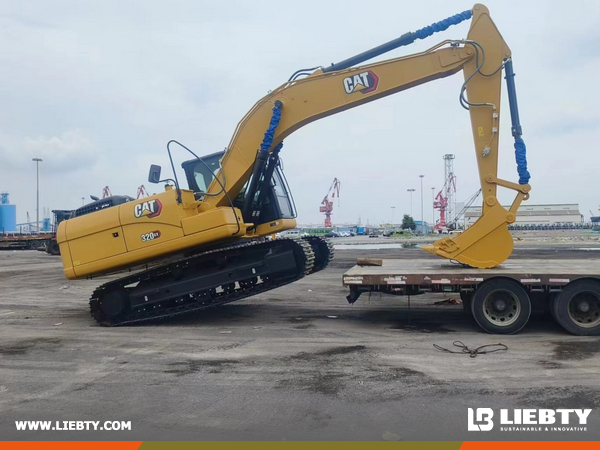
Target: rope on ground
<point x="472" y="353"/>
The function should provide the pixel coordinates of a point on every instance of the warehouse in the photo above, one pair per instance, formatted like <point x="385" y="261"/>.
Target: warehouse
<point x="552" y="214"/>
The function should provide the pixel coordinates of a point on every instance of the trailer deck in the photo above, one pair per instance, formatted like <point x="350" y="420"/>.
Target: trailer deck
<point x="429" y="273"/>
<point x="24" y="241"/>
<point x="500" y="299"/>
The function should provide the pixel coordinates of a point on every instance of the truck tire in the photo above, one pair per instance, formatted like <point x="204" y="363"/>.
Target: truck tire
<point x="466" y="299"/>
<point x="53" y="247"/>
<point x="577" y="308"/>
<point x="501" y="306"/>
<point x="552" y="306"/>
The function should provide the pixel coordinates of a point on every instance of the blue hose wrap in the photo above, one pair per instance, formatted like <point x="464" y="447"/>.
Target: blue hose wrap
<point x="443" y="24"/>
<point x="521" y="158"/>
<point x="270" y="133"/>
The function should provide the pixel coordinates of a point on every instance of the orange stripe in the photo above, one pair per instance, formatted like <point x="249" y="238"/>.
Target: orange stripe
<point x="533" y="445"/>
<point x="71" y="445"/>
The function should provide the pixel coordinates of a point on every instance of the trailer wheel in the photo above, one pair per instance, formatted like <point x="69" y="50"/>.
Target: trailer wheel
<point x="501" y="306"/>
<point x="577" y="308"/>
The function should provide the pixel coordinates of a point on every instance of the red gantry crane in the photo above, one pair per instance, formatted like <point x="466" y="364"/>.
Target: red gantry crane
<point x="441" y="202"/>
<point x="327" y="203"/>
<point x="142" y="192"/>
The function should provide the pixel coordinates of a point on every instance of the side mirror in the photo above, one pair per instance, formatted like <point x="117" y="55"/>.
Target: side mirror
<point x="154" y="175"/>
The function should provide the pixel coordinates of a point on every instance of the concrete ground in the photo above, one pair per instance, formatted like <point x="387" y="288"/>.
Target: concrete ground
<point x="296" y="363"/>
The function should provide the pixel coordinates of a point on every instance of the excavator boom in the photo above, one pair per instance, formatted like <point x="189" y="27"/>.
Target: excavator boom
<point x="481" y="57"/>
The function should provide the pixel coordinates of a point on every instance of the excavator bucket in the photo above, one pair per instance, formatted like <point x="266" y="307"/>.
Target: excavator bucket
<point x="487" y="243"/>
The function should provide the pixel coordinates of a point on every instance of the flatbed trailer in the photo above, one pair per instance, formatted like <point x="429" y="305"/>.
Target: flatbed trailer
<point x="25" y="241"/>
<point x="500" y="299"/>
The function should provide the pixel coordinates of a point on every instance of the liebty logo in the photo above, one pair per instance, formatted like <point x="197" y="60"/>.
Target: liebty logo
<point x="364" y="82"/>
<point x="482" y="419"/>
<point x="484" y="415"/>
<point x="149" y="209"/>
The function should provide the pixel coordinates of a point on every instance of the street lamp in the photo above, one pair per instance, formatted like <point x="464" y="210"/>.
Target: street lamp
<point x="410" y="191"/>
<point x="82" y="201"/>
<point x="422" y="220"/>
<point x="37" y="197"/>
<point x="393" y="210"/>
<point x="432" y="206"/>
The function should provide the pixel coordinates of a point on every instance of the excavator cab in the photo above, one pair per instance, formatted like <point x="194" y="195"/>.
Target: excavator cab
<point x="276" y="203"/>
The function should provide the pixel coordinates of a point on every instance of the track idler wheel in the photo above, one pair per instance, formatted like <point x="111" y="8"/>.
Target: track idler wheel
<point x="323" y="251"/>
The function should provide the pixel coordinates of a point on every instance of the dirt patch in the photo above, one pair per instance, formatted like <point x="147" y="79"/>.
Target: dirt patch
<point x="384" y="374"/>
<point x="576" y="350"/>
<point x="83" y="387"/>
<point x="550" y="364"/>
<point x="189" y="367"/>
<point x="24" y="346"/>
<point x="318" y="382"/>
<point x="568" y="397"/>
<point x="330" y="352"/>
<point x="427" y="328"/>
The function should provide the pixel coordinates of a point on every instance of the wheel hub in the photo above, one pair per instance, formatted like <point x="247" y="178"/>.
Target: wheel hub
<point x="502" y="308"/>
<point x="499" y="305"/>
<point x="584" y="309"/>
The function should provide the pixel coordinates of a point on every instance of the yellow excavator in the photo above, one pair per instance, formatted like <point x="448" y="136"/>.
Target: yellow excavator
<point x="190" y="249"/>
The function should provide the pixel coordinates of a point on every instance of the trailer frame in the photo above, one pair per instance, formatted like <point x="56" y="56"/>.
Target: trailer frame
<point x="538" y="283"/>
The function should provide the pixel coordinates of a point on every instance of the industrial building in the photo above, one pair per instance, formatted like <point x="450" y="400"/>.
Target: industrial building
<point x="534" y="215"/>
<point x="8" y="215"/>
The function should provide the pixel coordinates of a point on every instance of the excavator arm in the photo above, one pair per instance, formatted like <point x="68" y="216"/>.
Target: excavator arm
<point x="327" y="91"/>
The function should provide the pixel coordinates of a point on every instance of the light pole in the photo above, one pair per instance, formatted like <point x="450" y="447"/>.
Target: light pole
<point x="432" y="206"/>
<point x="422" y="220"/>
<point x="410" y="191"/>
<point x="393" y="210"/>
<point x="37" y="196"/>
<point x="82" y="201"/>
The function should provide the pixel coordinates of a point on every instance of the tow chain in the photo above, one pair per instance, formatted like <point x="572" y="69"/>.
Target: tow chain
<point x="472" y="352"/>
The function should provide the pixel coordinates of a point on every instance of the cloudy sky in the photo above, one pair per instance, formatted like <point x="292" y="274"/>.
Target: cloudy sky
<point x="97" y="88"/>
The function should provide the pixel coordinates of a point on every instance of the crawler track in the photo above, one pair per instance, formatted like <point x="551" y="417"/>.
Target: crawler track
<point x="208" y="279"/>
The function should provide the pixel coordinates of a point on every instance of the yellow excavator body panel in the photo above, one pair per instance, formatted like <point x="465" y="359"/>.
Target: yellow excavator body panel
<point x="140" y="231"/>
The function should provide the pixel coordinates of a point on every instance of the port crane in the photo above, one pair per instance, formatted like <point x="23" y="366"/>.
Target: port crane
<point x="142" y="192"/>
<point x="328" y="201"/>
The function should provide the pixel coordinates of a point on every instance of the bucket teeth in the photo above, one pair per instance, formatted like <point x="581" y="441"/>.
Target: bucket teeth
<point x="429" y="248"/>
<point x="484" y="245"/>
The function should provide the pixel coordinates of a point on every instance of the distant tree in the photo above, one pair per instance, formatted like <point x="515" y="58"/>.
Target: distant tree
<point x="408" y="223"/>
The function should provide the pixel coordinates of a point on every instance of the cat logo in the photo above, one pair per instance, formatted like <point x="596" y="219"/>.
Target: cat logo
<point x="149" y="209"/>
<point x="364" y="82"/>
